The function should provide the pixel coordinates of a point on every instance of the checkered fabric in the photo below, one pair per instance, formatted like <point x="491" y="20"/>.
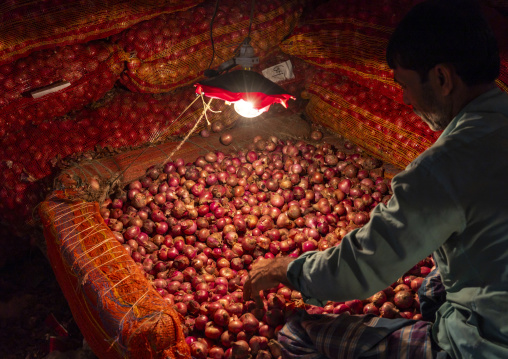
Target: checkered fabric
<point x="319" y="336"/>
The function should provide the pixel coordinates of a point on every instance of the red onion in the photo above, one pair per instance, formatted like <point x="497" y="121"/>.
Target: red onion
<point x="355" y="305"/>
<point x="361" y="218"/>
<point x="181" y="308"/>
<point x="221" y="317"/>
<point x="267" y="331"/>
<point x="131" y="233"/>
<point x="226" y="139"/>
<point x="316" y="135"/>
<point x="388" y="310"/>
<point x="341" y="308"/>
<point x="250" y="323"/>
<point x="378" y="299"/>
<point x="200" y="322"/>
<point x="370" y="308"/>
<point x="403" y="299"/>
<point x="199" y="350"/>
<point x="211" y="218"/>
<point x="424" y="271"/>
<point x="309" y="245"/>
<point x="216" y="352"/>
<point x="235" y="326"/>
<point x="217" y="126"/>
<point x="240" y="349"/>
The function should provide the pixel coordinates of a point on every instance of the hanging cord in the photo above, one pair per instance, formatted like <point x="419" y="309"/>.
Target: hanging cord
<point x="211" y="73"/>
<point x="162" y="133"/>
<point x="247" y="39"/>
<point x="211" y="32"/>
<point x="205" y="109"/>
<point x="251" y="16"/>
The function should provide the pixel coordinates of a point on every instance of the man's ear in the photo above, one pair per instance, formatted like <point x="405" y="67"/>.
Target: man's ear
<point x="445" y="78"/>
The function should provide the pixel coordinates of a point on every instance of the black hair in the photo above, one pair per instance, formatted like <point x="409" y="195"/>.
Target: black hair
<point x="446" y="31"/>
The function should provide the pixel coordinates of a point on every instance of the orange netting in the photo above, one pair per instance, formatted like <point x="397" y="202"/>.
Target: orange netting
<point x="175" y="49"/>
<point x="119" y="313"/>
<point x="27" y="26"/>
<point x="502" y="81"/>
<point x="385" y="128"/>
<point x="350" y="39"/>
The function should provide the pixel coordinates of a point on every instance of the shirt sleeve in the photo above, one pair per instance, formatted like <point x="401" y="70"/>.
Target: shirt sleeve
<point x="421" y="215"/>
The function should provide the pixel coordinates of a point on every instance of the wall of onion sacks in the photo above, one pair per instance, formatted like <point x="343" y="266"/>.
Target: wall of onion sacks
<point x="174" y="49"/>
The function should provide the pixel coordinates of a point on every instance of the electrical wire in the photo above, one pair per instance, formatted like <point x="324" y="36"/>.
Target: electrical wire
<point x="211" y="32"/>
<point x="211" y="73"/>
<point x="251" y="16"/>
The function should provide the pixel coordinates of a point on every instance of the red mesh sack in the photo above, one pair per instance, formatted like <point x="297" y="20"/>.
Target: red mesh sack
<point x="502" y="81"/>
<point x="498" y="20"/>
<point x="385" y="128"/>
<point x="173" y="50"/>
<point x="350" y="38"/>
<point x="88" y="70"/>
<point x="119" y="312"/>
<point x="120" y="121"/>
<point x="28" y="26"/>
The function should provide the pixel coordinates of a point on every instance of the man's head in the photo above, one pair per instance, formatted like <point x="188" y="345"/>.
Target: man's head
<point x="440" y="42"/>
<point x="446" y="31"/>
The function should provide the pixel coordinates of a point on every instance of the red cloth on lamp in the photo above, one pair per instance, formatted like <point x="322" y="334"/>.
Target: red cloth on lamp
<point x="244" y="85"/>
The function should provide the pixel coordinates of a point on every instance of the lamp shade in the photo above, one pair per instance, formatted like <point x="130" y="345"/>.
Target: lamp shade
<point x="248" y="86"/>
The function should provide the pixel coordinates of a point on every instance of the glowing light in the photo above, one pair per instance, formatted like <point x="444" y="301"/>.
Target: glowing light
<point x="245" y="109"/>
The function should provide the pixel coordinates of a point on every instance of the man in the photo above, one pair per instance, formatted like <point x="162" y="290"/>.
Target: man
<point x="450" y="202"/>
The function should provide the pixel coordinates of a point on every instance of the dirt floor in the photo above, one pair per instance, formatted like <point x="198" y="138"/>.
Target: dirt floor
<point x="35" y="320"/>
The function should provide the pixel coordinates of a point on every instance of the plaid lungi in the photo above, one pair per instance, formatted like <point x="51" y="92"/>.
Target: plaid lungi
<point x="432" y="295"/>
<point x="320" y="336"/>
<point x="344" y="336"/>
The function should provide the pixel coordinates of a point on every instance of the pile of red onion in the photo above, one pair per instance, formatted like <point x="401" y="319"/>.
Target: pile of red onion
<point x="196" y="229"/>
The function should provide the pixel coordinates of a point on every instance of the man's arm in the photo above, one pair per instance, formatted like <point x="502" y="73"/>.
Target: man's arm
<point x="266" y="274"/>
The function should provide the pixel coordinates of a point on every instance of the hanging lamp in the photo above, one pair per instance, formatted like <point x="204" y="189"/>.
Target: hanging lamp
<point x="250" y="92"/>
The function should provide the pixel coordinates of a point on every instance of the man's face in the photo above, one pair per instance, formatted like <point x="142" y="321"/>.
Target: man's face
<point x="425" y="98"/>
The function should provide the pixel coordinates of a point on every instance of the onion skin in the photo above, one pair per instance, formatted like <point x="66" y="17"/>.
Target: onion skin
<point x="240" y="349"/>
<point x="370" y="308"/>
<point x="416" y="284"/>
<point x="388" y="310"/>
<point x="217" y="126"/>
<point x="316" y="135"/>
<point x="403" y="299"/>
<point x="226" y="139"/>
<point x="199" y="350"/>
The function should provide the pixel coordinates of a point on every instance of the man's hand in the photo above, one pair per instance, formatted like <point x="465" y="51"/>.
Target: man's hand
<point x="266" y="274"/>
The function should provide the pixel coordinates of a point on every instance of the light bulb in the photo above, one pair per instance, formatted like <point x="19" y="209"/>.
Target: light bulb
<point x="245" y="109"/>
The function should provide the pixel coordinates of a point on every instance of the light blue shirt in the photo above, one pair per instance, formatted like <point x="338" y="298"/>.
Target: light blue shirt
<point x="451" y="201"/>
